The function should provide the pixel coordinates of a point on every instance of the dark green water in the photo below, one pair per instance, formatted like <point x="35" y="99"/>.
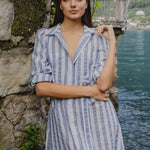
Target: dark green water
<point x="133" y="51"/>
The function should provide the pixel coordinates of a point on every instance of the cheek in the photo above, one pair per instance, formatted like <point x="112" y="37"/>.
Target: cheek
<point x="64" y="9"/>
<point x="83" y="10"/>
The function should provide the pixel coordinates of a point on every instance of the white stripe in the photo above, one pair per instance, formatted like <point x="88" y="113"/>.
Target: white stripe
<point x="96" y="130"/>
<point x="62" y="124"/>
<point x="62" y="65"/>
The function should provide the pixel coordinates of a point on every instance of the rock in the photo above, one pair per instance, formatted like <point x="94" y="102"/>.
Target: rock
<point x="19" y="105"/>
<point x="32" y="39"/>
<point x="24" y="23"/>
<point x="13" y="109"/>
<point x="16" y="39"/>
<point x="15" y="67"/>
<point x="140" y="12"/>
<point x="29" y="16"/>
<point x="6" y="19"/>
<point x="6" y="134"/>
<point x="16" y="114"/>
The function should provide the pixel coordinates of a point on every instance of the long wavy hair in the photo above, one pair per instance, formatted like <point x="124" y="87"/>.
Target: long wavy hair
<point x="59" y="16"/>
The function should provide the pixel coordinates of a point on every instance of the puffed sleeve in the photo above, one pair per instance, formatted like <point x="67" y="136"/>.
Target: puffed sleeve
<point x="41" y="70"/>
<point x="102" y="51"/>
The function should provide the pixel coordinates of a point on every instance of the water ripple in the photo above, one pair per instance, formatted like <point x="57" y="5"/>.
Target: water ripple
<point x="134" y="89"/>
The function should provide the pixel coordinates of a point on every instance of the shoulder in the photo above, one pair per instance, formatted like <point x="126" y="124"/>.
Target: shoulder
<point x="43" y="32"/>
<point x="93" y="31"/>
<point x="100" y="39"/>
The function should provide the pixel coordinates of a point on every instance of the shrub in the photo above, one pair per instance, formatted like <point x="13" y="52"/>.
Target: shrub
<point x="32" y="137"/>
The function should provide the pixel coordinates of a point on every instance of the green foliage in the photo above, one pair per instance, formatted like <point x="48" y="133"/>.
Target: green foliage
<point x="139" y="3"/>
<point x="52" y="12"/>
<point x="143" y="19"/>
<point x="95" y="5"/>
<point x="1" y="148"/>
<point x="32" y="137"/>
<point x="136" y="5"/>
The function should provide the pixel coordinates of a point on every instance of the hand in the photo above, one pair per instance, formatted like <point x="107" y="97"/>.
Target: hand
<point x="108" y="32"/>
<point x="98" y="95"/>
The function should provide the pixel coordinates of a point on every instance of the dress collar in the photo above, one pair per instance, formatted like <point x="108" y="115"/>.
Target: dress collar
<point x="57" y="29"/>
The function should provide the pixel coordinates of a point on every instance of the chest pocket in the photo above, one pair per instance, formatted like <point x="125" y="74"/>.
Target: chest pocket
<point x="89" y="56"/>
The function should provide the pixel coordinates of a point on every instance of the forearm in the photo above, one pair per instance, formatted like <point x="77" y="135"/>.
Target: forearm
<point x="107" y="75"/>
<point x="62" y="91"/>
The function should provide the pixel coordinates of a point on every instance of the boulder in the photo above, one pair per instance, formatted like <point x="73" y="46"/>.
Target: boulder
<point x="15" y="67"/>
<point x="17" y="113"/>
<point x="6" y="19"/>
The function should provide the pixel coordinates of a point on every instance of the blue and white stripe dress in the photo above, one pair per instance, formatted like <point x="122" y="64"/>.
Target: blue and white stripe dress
<point x="79" y="123"/>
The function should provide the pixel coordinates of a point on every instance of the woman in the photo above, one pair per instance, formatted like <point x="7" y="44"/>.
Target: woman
<point x="69" y="66"/>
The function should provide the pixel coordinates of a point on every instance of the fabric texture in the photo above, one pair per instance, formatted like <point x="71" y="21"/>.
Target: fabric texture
<point x="80" y="123"/>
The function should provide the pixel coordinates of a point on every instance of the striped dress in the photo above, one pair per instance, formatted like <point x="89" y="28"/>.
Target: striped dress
<point x="79" y="123"/>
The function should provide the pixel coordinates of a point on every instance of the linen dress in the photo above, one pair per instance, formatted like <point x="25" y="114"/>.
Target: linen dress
<point x="79" y="123"/>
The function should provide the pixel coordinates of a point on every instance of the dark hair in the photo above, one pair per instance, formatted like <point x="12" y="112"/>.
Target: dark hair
<point x="59" y="16"/>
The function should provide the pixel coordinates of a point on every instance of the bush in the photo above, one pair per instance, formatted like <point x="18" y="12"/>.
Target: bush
<point x="32" y="140"/>
<point x="1" y="148"/>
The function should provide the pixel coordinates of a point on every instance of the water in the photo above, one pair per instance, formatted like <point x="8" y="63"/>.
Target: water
<point x="133" y="51"/>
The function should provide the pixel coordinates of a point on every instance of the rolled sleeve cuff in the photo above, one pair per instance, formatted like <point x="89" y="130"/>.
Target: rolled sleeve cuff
<point x="97" y="72"/>
<point x="40" y="77"/>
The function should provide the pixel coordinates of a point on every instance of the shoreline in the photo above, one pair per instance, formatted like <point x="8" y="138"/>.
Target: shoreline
<point x="137" y="29"/>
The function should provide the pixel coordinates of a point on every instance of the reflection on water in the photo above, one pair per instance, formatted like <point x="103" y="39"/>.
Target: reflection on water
<point x="133" y="53"/>
<point x="135" y="119"/>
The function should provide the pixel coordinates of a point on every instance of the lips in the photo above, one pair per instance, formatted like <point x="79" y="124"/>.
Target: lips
<point x="73" y="11"/>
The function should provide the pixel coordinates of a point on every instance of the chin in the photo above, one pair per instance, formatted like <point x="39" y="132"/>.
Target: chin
<point x="75" y="18"/>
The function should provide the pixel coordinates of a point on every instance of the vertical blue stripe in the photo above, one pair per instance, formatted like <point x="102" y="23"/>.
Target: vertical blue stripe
<point x="103" y="125"/>
<point x="59" y="63"/>
<point x="65" y="132"/>
<point x="74" y="110"/>
<point x="87" y="125"/>
<point x="78" y="69"/>
<point x="109" y="124"/>
<point x="96" y="126"/>
<point x="56" y="130"/>
<point x="54" y="141"/>
<point x="69" y="127"/>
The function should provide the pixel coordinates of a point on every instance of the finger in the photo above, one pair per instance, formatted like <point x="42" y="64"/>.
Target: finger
<point x="105" y="29"/>
<point x="106" y="95"/>
<point x="105" y="99"/>
<point x="99" y="30"/>
<point x="107" y="92"/>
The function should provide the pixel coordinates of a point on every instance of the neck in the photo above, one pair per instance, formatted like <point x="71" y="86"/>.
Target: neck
<point x="72" y="25"/>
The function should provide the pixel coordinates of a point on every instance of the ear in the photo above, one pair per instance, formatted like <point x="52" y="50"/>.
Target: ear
<point x="86" y="5"/>
<point x="60" y="6"/>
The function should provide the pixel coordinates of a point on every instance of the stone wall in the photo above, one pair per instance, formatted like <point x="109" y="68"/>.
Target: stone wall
<point x="6" y="18"/>
<point x="19" y="105"/>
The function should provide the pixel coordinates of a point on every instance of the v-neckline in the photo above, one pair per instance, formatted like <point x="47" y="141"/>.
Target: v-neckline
<point x="69" y="48"/>
<point x="85" y="37"/>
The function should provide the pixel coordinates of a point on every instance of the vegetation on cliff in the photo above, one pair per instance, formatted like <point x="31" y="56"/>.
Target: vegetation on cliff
<point x="139" y="4"/>
<point x="140" y="21"/>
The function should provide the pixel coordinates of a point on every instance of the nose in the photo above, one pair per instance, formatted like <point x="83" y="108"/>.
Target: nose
<point x="73" y="3"/>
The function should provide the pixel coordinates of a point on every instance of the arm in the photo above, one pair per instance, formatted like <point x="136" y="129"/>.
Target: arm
<point x="68" y="91"/>
<point x="106" y="78"/>
<point x="42" y="79"/>
<point x="62" y="91"/>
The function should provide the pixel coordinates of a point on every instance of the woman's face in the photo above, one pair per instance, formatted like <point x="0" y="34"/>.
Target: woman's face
<point x="73" y="9"/>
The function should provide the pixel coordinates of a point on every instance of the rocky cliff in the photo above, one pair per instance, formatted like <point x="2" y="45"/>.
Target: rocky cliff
<point x="19" y="105"/>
